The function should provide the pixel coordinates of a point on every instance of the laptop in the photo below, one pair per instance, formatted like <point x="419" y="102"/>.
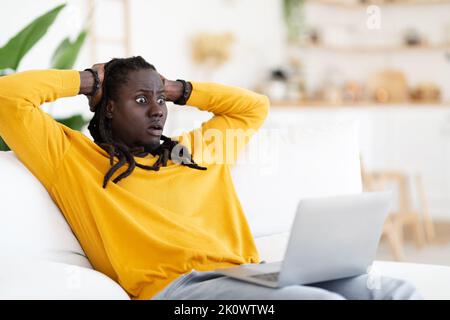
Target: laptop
<point x="331" y="238"/>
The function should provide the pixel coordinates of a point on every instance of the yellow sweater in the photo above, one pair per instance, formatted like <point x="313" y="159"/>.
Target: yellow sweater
<point x="152" y="226"/>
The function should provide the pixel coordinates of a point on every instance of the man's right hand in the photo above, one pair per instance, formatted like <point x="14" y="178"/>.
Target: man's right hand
<point x="93" y="101"/>
<point x="87" y="82"/>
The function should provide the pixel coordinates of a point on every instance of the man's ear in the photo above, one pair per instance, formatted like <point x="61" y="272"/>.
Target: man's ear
<point x="110" y="109"/>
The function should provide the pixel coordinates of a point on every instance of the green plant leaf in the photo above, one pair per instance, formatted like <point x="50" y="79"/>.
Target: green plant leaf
<point x="75" y="122"/>
<point x="18" y="46"/>
<point x="67" y="52"/>
<point x="3" y="145"/>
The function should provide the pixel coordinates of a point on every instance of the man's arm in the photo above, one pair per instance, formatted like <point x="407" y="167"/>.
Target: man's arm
<point x="174" y="89"/>
<point x="36" y="138"/>
<point x="238" y="114"/>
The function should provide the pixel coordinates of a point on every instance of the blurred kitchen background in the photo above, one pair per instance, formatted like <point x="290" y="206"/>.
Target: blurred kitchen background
<point x="386" y="63"/>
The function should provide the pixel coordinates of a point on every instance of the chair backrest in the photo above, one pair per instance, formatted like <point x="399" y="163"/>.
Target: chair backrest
<point x="31" y="225"/>
<point x="293" y="162"/>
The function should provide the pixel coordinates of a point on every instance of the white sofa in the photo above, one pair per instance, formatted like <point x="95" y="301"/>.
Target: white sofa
<point x="40" y="257"/>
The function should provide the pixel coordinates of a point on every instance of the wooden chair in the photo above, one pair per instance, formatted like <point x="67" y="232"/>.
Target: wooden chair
<point x="405" y="216"/>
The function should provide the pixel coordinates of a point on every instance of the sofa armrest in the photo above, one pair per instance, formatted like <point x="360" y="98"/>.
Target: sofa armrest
<point x="38" y="279"/>
<point x="432" y="281"/>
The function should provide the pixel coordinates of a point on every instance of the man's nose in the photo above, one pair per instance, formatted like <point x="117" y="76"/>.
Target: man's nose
<point x="155" y="111"/>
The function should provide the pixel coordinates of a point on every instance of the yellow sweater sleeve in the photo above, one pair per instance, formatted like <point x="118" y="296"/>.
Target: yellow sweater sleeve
<point x="35" y="137"/>
<point x="238" y="114"/>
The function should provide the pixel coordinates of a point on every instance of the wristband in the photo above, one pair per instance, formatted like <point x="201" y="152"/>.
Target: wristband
<point x="185" y="94"/>
<point x="96" y="81"/>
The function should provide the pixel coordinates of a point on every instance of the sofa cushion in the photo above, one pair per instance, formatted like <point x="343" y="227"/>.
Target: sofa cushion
<point x="432" y="281"/>
<point x="285" y="163"/>
<point x="27" y="278"/>
<point x="31" y="224"/>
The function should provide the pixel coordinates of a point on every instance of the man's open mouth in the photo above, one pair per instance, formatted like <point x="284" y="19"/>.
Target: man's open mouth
<point x="155" y="129"/>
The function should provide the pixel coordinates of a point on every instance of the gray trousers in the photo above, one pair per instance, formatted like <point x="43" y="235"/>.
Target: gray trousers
<point x="210" y="285"/>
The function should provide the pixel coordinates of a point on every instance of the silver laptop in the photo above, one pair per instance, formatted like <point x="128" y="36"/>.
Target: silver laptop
<point x="331" y="238"/>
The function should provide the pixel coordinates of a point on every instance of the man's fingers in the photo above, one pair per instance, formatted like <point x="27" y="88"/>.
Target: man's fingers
<point x="163" y="79"/>
<point x="100" y="68"/>
<point x="94" y="100"/>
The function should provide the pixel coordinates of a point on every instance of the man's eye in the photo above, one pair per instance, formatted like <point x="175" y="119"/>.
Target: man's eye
<point x="141" y="99"/>
<point x="161" y="100"/>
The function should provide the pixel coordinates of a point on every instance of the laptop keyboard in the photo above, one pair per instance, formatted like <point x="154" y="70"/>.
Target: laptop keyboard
<point x="273" y="277"/>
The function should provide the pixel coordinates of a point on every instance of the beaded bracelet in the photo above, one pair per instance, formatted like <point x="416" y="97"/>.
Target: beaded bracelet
<point x="96" y="81"/>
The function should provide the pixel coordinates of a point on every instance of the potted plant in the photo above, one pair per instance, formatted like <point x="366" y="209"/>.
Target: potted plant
<point x="294" y="19"/>
<point x="64" y="57"/>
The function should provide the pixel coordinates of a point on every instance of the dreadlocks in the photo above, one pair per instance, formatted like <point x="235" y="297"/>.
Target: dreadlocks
<point x="116" y="73"/>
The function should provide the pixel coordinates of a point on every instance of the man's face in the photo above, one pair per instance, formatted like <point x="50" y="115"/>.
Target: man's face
<point x="140" y="104"/>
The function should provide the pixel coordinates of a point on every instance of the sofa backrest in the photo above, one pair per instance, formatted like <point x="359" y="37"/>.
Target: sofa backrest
<point x="295" y="160"/>
<point x="277" y="168"/>
<point x="31" y="225"/>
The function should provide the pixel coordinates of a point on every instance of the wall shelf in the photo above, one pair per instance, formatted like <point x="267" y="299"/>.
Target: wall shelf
<point x="349" y="5"/>
<point x="370" y="104"/>
<point x="376" y="49"/>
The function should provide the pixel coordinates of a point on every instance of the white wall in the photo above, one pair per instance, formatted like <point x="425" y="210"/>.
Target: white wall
<point x="160" y="33"/>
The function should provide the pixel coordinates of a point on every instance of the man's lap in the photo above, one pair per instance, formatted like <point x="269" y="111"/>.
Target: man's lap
<point x="213" y="286"/>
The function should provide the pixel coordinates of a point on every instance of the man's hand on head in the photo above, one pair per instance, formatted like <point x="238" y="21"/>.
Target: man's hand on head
<point x="94" y="100"/>
<point x="87" y="82"/>
<point x="172" y="89"/>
